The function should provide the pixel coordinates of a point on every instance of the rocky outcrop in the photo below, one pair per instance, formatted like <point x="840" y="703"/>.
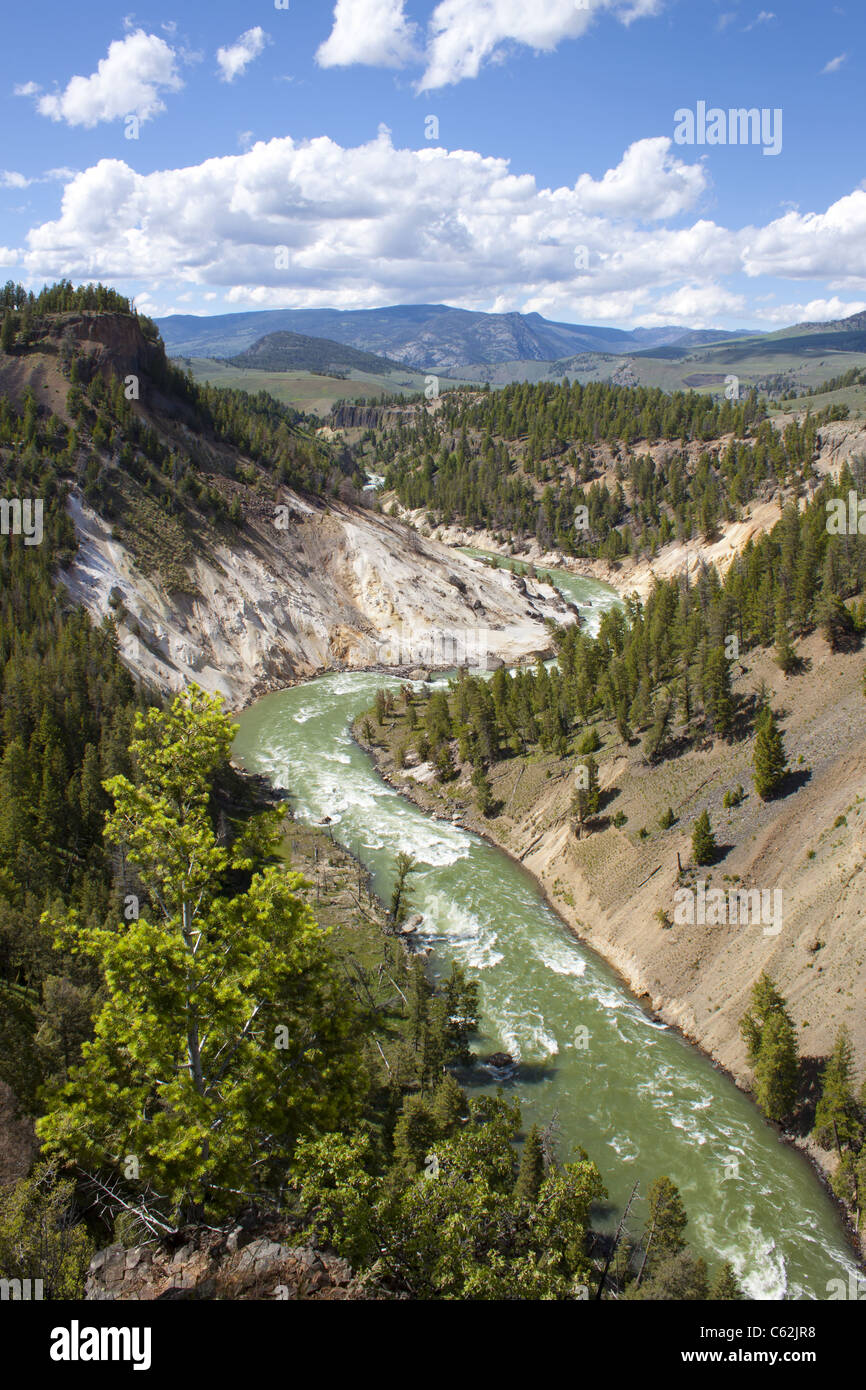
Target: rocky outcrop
<point x="251" y="1261"/>
<point x="366" y="417"/>
<point x="115" y="342"/>
<point x="339" y="587"/>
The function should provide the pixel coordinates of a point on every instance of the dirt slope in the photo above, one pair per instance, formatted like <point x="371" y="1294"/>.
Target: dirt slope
<point x="610" y="885"/>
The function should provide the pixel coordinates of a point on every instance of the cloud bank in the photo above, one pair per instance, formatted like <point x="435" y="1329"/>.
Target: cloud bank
<point x="312" y="222"/>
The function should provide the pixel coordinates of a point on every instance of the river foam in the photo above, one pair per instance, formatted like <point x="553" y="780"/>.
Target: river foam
<point x="624" y="1087"/>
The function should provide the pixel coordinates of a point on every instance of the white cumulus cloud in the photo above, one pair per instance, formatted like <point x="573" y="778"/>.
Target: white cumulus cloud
<point x="647" y="182"/>
<point x="128" y="81"/>
<point x="9" y="178"/>
<point x="234" y="60"/>
<point x="375" y="32"/>
<point x="816" y="311"/>
<point x="297" y="223"/>
<point x="462" y="34"/>
<point x="828" y="246"/>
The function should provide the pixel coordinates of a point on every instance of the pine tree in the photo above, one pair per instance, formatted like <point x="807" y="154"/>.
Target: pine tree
<point x="724" y="1287"/>
<point x="420" y="992"/>
<point x="414" y="1133"/>
<point x="776" y="1068"/>
<point x="675" y="1277"/>
<point x="837" y="623"/>
<point x="770" y="762"/>
<point x="224" y="1031"/>
<point x="400" y="902"/>
<point x="784" y="655"/>
<point x="837" y="1114"/>
<point x="586" y="800"/>
<point x="654" y="742"/>
<point x="765" y="1001"/>
<point x="718" y="700"/>
<point x="461" y="1012"/>
<point x="448" y="1107"/>
<point x="444" y="763"/>
<point x="434" y="1050"/>
<point x="667" y="1218"/>
<point x="483" y="791"/>
<point x="531" y="1173"/>
<point x="703" y="840"/>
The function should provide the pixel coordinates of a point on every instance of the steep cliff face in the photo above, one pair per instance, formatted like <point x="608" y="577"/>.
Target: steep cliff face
<point x="295" y="585"/>
<point x="339" y="588"/>
<point x="367" y="417"/>
<point x="115" y="342"/>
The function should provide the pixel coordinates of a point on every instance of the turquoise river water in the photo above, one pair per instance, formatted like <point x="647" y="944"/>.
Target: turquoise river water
<point x="629" y="1090"/>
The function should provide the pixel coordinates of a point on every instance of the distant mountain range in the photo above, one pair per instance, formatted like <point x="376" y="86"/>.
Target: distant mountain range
<point x="423" y="336"/>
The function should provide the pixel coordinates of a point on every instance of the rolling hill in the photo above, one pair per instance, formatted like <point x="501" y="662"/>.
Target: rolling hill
<point x="298" y="352"/>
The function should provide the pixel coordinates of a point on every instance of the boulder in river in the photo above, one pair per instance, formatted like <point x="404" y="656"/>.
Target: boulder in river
<point x="499" y="1060"/>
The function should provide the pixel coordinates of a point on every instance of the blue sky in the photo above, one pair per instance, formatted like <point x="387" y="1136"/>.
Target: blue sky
<point x="281" y="156"/>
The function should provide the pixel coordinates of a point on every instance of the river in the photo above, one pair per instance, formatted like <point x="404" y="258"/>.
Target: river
<point x="630" y="1091"/>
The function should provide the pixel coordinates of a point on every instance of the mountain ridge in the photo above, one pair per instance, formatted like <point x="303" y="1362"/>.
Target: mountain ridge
<point x="434" y="336"/>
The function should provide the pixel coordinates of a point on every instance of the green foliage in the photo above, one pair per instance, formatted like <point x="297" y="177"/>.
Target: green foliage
<point x="456" y="1228"/>
<point x="404" y="867"/>
<point x="839" y="1120"/>
<point x="531" y="1173"/>
<point x="724" y="1287"/>
<point x="41" y="1235"/>
<point x="586" y="799"/>
<point x="765" y="1001"/>
<point x="64" y="298"/>
<point x="481" y="458"/>
<point x="837" y="623"/>
<point x="784" y="655"/>
<point x="770" y="761"/>
<point x="678" y="1277"/>
<point x="484" y="799"/>
<point x="66" y="709"/>
<point x="776" y="1068"/>
<point x="224" y="1034"/>
<point x="659" y="661"/>
<point x="771" y="1046"/>
<point x="703" y="840"/>
<point x="590" y="742"/>
<point x="444" y="764"/>
<point x="667" y="1217"/>
<point x="657" y="735"/>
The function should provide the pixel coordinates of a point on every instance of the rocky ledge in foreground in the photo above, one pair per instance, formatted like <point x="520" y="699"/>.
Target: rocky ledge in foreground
<point x="247" y="1262"/>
